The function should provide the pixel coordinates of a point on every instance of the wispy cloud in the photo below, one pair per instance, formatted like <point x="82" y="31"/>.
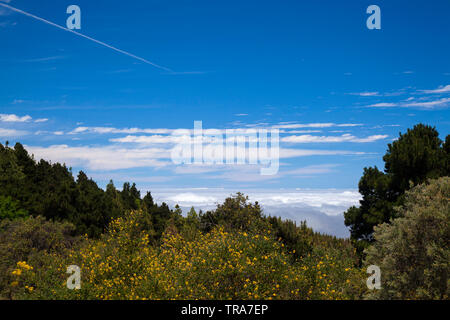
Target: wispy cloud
<point x="109" y="130"/>
<point x="314" y="125"/>
<point x="6" y="23"/>
<point x="413" y="104"/>
<point x="331" y="139"/>
<point x="300" y="131"/>
<point x="312" y="170"/>
<point x="153" y="139"/>
<point x="4" y="133"/>
<point x="4" y="12"/>
<point x="295" y="153"/>
<point x="384" y="105"/>
<point x="44" y="59"/>
<point x="366" y="94"/>
<point x="41" y="120"/>
<point x="112" y="157"/>
<point x="429" y="104"/>
<point x="441" y="89"/>
<point x="103" y="158"/>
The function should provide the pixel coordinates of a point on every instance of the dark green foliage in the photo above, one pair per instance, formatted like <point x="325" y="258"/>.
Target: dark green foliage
<point x="416" y="156"/>
<point x="10" y="209"/>
<point x="297" y="239"/>
<point x="160" y="216"/>
<point x="375" y="207"/>
<point x="131" y="196"/>
<point x="237" y="213"/>
<point x="91" y="207"/>
<point x="27" y="239"/>
<point x="413" y="251"/>
<point x="446" y="148"/>
<point x="49" y="190"/>
<point x="11" y="174"/>
<point x="234" y="214"/>
<point x="191" y="224"/>
<point x="147" y="201"/>
<point x="113" y="200"/>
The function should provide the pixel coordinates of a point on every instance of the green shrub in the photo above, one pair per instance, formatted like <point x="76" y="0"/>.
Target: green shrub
<point x="26" y="240"/>
<point x="10" y="209"/>
<point x="413" y="252"/>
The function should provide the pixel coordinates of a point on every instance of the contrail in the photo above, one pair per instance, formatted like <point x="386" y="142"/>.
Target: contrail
<point x="86" y="37"/>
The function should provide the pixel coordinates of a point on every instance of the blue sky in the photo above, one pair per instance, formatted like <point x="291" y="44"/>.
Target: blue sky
<point x="310" y="68"/>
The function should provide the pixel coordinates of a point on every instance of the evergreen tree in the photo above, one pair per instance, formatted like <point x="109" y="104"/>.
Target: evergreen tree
<point x="416" y="156"/>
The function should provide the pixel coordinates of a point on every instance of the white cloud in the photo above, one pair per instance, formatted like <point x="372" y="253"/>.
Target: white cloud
<point x="311" y="170"/>
<point x="414" y="104"/>
<point x="321" y="208"/>
<point x="366" y="94"/>
<point x="383" y="105"/>
<point x="154" y="139"/>
<point x="331" y="139"/>
<point x="314" y="125"/>
<point x="110" y="130"/>
<point x="159" y="131"/>
<point x="294" y="153"/>
<point x="41" y="120"/>
<point x="190" y="199"/>
<point x="143" y="177"/>
<point x="300" y="131"/>
<point x="429" y="104"/>
<point x="14" y="118"/>
<point x="330" y="201"/>
<point x="441" y="89"/>
<point x="197" y="169"/>
<point x="12" y="133"/>
<point x="114" y="158"/>
<point x="103" y="158"/>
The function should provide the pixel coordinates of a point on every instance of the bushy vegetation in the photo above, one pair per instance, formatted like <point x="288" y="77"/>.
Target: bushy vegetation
<point x="132" y="248"/>
<point x="129" y="247"/>
<point x="27" y="240"/>
<point x="413" y="158"/>
<point x="49" y="190"/>
<point x="215" y="265"/>
<point x="413" y="251"/>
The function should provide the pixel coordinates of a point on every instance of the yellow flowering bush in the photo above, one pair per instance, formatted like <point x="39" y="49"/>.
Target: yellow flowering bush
<point x="215" y="265"/>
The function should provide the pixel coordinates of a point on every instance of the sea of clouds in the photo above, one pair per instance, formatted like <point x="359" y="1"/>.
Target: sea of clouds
<point x="322" y="209"/>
